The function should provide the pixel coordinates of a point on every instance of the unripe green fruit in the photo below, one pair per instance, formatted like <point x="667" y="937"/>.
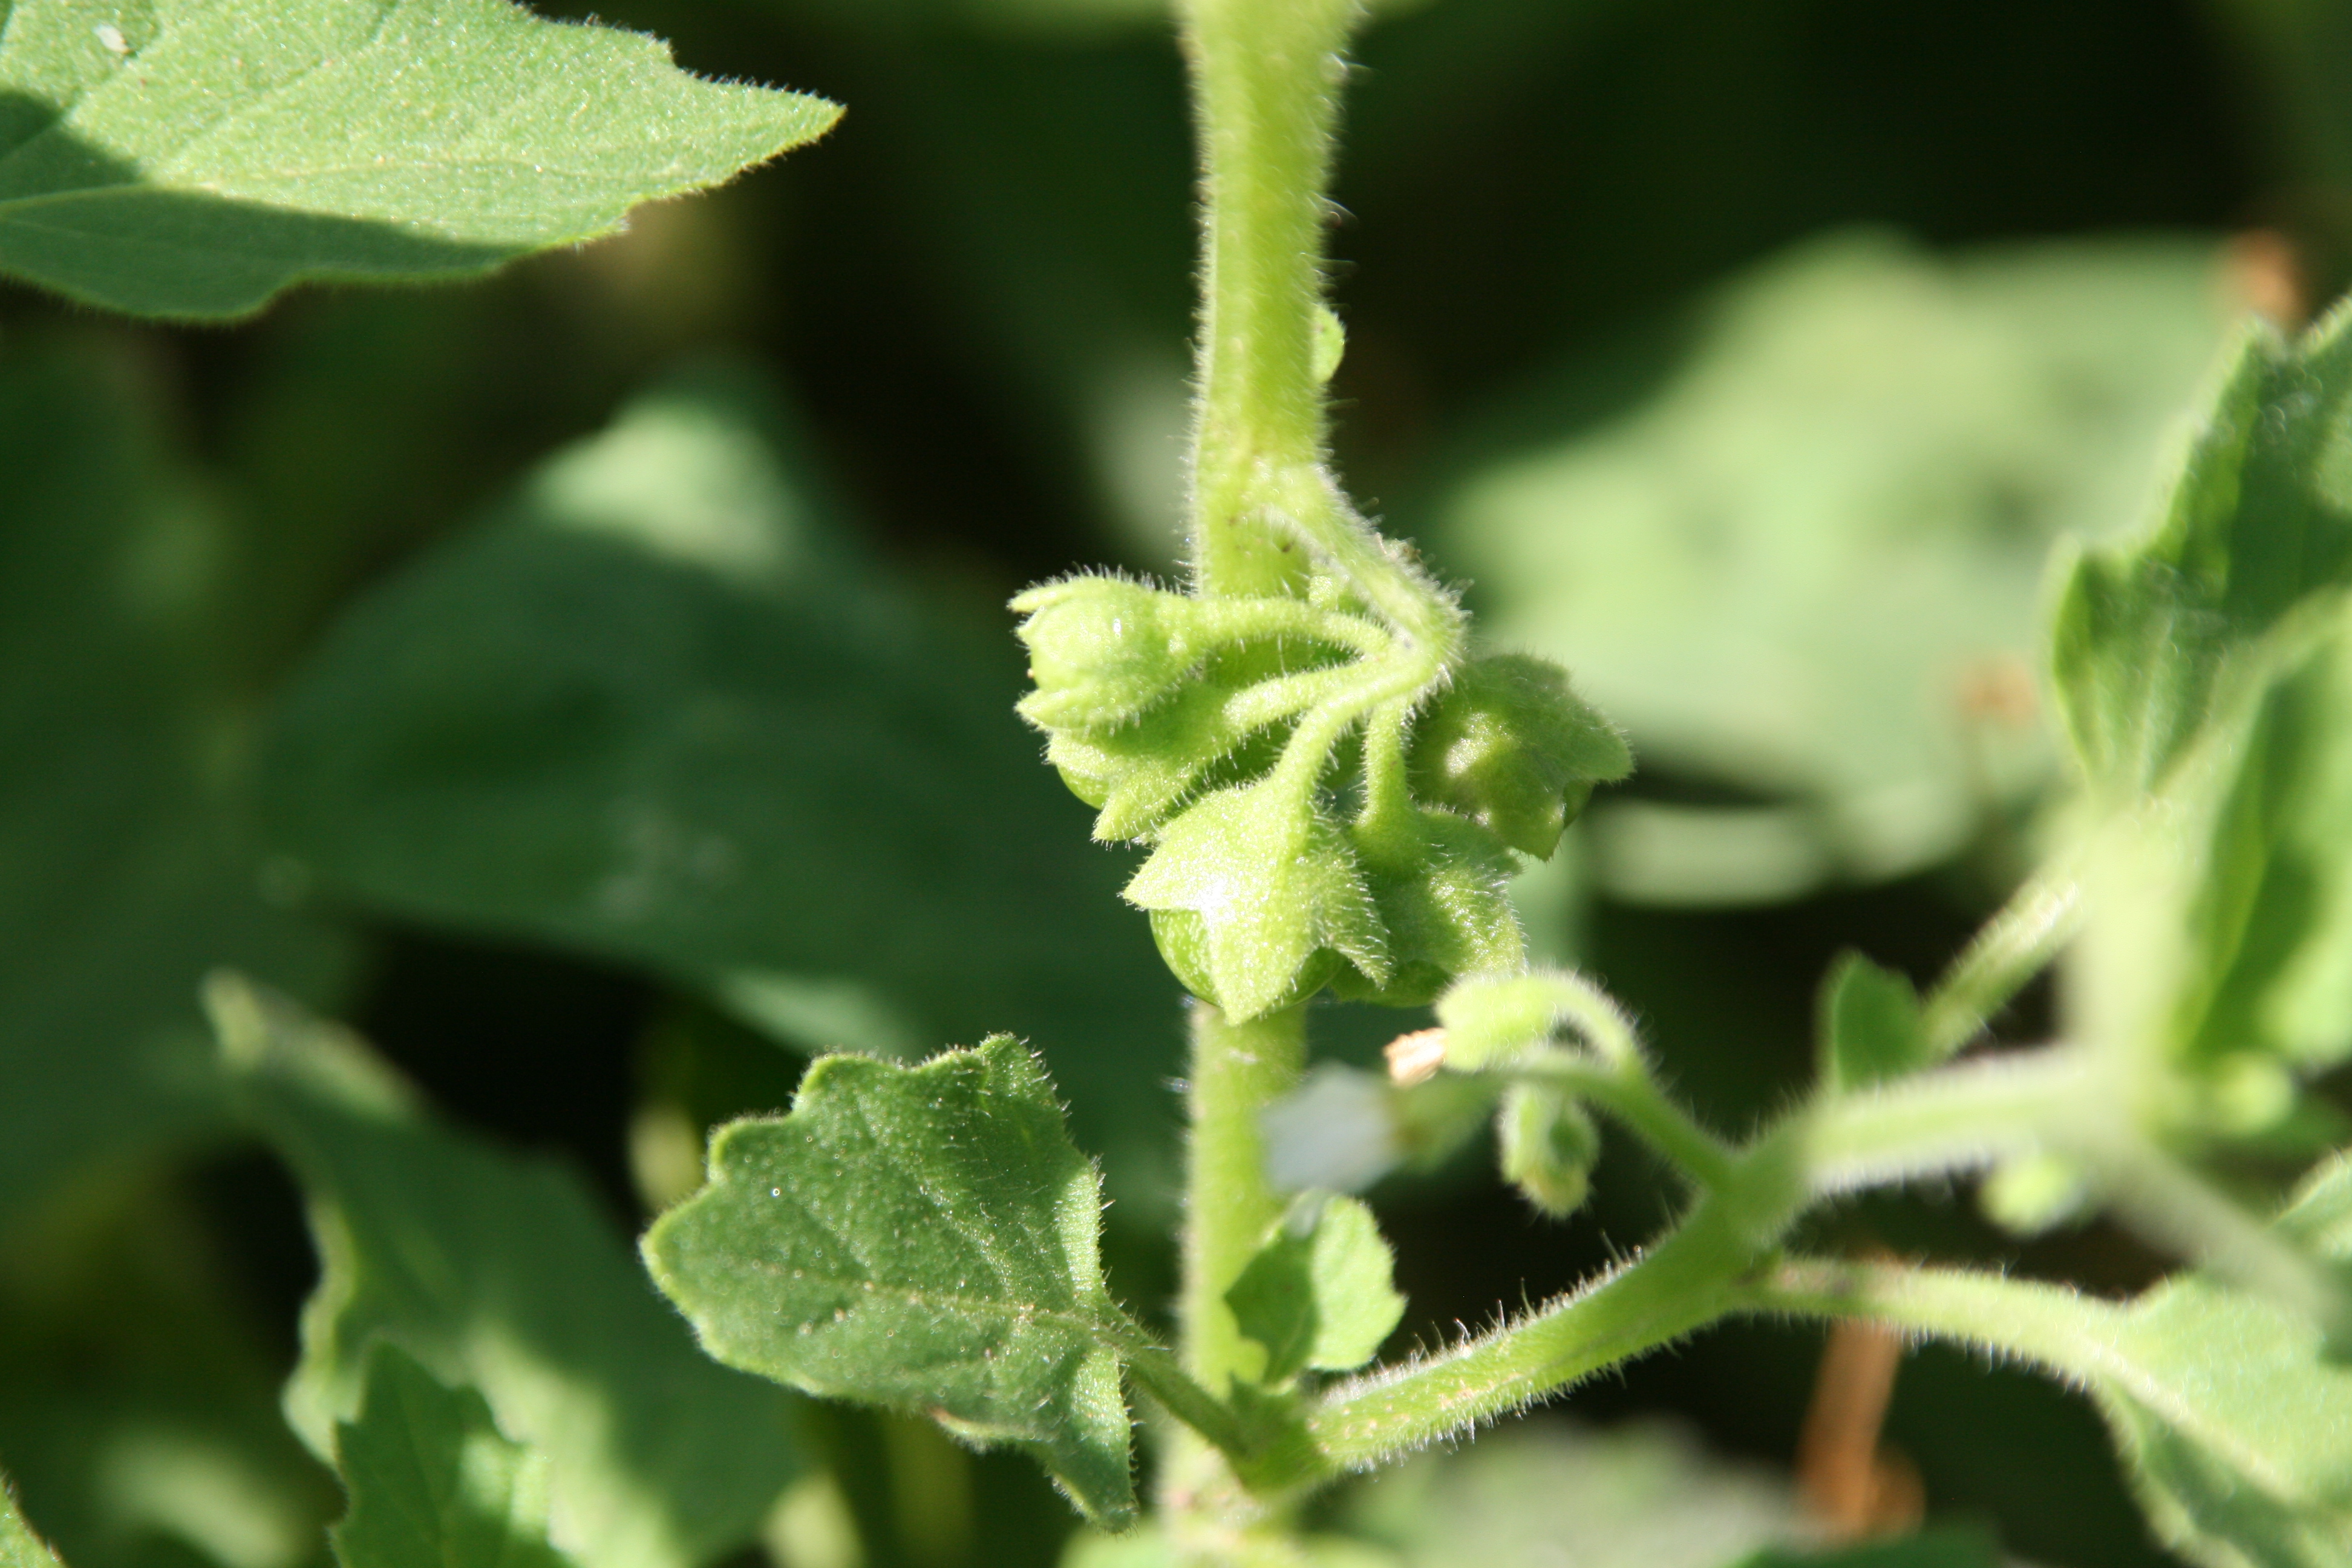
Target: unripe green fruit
<point x="1512" y="748"/>
<point x="1183" y="938"/>
<point x="1102" y="650"/>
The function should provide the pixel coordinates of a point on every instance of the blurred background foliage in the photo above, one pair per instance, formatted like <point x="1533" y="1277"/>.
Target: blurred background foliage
<point x="595" y="684"/>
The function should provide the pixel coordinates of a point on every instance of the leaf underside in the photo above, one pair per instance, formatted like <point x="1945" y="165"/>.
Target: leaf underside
<point x="923" y="1238"/>
<point x="191" y="158"/>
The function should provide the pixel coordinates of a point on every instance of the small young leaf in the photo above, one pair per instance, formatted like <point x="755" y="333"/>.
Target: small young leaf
<point x="20" y="1547"/>
<point x="433" y="1480"/>
<point x="1263" y="882"/>
<point x="1321" y="1293"/>
<point x="190" y="159"/>
<point x="500" y="1272"/>
<point x="1547" y="1145"/>
<point x="922" y="1238"/>
<point x="1510" y="746"/>
<point x="1869" y="1024"/>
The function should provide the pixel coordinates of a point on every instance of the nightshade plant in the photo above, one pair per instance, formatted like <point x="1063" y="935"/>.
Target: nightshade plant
<point x="1331" y="779"/>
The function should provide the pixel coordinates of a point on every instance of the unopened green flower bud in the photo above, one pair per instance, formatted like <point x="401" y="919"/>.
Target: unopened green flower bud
<point x="1547" y="1144"/>
<point x="1102" y="650"/>
<point x="2030" y="1193"/>
<point x="1511" y="747"/>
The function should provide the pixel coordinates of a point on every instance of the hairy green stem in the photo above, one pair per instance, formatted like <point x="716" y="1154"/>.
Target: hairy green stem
<point x="1237" y="1071"/>
<point x="2056" y="1327"/>
<point x="1265" y="76"/>
<point x="2039" y="919"/>
<point x="1627" y="1092"/>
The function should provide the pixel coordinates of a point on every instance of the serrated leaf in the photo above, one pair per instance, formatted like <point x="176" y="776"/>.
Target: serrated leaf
<point x="1271" y="882"/>
<point x="1868" y="1025"/>
<point x="20" y="1547"/>
<point x="1320" y="1292"/>
<point x="657" y="709"/>
<point x="433" y="1481"/>
<point x="125" y="868"/>
<point x="923" y="1238"/>
<point x="498" y="1271"/>
<point x="2260" y="519"/>
<point x="191" y="158"/>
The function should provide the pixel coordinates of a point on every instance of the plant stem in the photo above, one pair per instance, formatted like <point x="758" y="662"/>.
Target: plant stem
<point x="1237" y="1070"/>
<point x="1265" y="76"/>
<point x="2015" y="945"/>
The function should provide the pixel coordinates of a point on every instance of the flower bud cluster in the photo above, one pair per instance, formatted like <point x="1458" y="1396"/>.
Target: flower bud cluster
<point x="1326" y="803"/>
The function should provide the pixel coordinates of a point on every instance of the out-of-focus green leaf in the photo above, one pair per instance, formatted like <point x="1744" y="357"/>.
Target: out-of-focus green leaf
<point x="179" y="158"/>
<point x="124" y="873"/>
<point x="20" y="1547"/>
<point x="497" y="1271"/>
<point x="1807" y="566"/>
<point x="654" y="710"/>
<point x="1634" y="1494"/>
<point x="2234" y="1423"/>
<point x="1322" y="1292"/>
<point x="433" y="1481"/>
<point x="138" y="1403"/>
<point x="2260" y="520"/>
<point x="1870" y="1028"/>
<point x="1929" y="1549"/>
<point x="924" y="1238"/>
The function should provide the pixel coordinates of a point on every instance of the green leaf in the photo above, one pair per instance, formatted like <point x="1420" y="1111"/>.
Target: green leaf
<point x="923" y="1238"/>
<point x="1869" y="1024"/>
<point x="2271" y="917"/>
<point x="20" y="1547"/>
<point x="1322" y="1292"/>
<point x="433" y="1480"/>
<point x="1942" y="1548"/>
<point x="1260" y="882"/>
<point x="498" y="1271"/>
<point x="179" y="158"/>
<point x="1804" y="557"/>
<point x="126" y="870"/>
<point x="1442" y="889"/>
<point x="2260" y="520"/>
<point x="657" y="711"/>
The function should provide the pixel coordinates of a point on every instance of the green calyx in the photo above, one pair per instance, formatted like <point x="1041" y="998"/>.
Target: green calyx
<point x="1330" y="791"/>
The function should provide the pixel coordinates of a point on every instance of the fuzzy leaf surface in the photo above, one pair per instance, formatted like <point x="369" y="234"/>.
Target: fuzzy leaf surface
<point x="2259" y="520"/>
<point x="1322" y="1295"/>
<point x="433" y="1481"/>
<point x="924" y="1238"/>
<point x="498" y="1271"/>
<point x="191" y="158"/>
<point x="20" y="1547"/>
